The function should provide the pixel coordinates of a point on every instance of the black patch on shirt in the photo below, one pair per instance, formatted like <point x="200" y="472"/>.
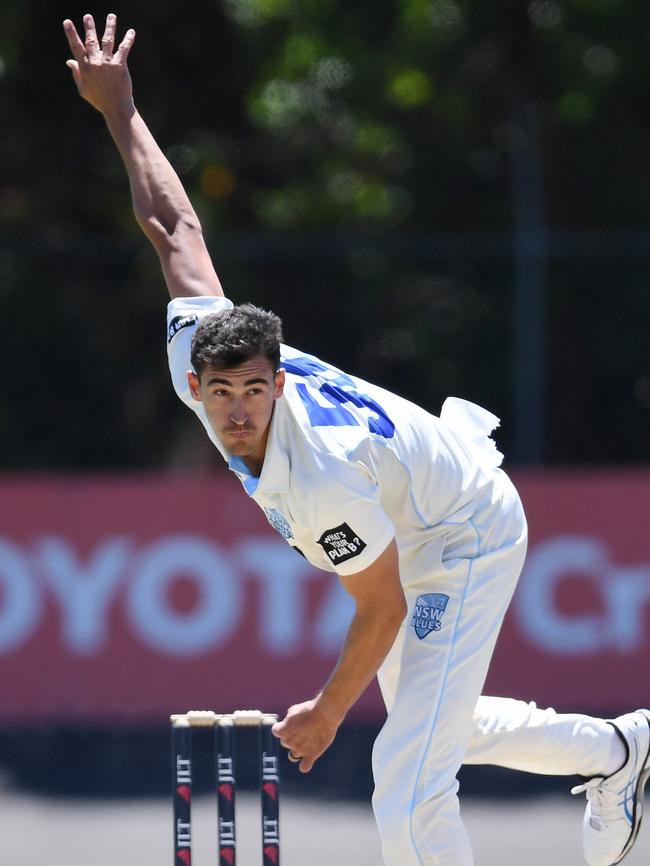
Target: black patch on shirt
<point x="341" y="544"/>
<point x="178" y="323"/>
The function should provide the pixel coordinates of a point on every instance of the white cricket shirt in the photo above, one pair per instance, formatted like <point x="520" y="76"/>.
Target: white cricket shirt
<point x="350" y="466"/>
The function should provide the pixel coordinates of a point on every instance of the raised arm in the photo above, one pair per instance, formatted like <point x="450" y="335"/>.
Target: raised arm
<point x="160" y="203"/>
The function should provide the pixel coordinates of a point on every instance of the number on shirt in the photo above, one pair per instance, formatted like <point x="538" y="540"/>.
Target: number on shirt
<point x="338" y="389"/>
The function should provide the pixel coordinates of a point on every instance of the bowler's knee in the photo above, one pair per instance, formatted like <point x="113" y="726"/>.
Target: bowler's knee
<point x="394" y="825"/>
<point x="409" y="824"/>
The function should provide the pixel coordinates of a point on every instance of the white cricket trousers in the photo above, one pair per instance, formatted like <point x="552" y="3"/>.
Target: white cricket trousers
<point x="431" y="686"/>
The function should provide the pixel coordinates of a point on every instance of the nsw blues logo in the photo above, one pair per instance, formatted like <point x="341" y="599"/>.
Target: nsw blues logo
<point x="278" y="522"/>
<point x="428" y="613"/>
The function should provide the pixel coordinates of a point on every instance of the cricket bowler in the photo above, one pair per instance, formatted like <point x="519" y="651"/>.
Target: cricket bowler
<point x="410" y="511"/>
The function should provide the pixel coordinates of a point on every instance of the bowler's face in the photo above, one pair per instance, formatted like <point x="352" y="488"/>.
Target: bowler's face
<point x="239" y="403"/>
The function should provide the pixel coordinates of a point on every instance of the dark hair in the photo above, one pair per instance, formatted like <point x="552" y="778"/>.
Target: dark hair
<point x="230" y="337"/>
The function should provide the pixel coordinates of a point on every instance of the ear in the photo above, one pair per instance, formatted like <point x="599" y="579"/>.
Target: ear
<point x="278" y="383"/>
<point x="193" y="382"/>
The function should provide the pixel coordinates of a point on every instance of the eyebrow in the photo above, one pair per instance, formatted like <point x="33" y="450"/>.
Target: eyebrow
<point x="218" y="380"/>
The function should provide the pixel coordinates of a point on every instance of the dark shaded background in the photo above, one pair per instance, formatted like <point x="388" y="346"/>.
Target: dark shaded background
<point x="443" y="196"/>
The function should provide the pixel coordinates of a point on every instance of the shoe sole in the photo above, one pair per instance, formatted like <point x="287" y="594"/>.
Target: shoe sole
<point x="637" y="816"/>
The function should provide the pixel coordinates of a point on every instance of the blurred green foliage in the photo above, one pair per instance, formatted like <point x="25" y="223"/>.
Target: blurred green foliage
<point x="326" y="145"/>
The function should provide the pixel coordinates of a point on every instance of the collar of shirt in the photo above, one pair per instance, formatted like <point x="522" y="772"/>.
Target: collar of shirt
<point x="274" y="477"/>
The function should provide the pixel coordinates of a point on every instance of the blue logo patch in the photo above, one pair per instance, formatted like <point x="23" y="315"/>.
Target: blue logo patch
<point x="427" y="613"/>
<point x="278" y="522"/>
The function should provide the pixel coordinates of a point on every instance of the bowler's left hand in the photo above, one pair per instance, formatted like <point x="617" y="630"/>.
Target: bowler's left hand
<point x="306" y="731"/>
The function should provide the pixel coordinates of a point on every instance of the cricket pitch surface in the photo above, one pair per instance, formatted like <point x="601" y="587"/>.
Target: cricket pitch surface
<point x="543" y="831"/>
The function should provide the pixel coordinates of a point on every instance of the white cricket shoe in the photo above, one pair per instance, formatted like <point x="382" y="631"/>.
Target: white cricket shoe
<point x="615" y="803"/>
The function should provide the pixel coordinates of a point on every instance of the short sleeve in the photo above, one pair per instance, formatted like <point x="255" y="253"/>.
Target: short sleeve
<point x="183" y="315"/>
<point x="351" y="527"/>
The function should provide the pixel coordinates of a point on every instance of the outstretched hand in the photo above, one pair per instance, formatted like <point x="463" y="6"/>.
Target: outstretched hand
<point x="100" y="72"/>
